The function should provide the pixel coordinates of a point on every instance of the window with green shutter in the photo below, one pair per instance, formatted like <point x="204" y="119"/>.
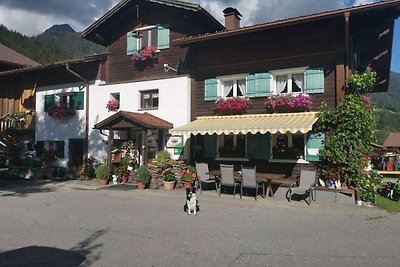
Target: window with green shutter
<point x="262" y="84"/>
<point x="163" y="36"/>
<point x="77" y="101"/>
<point x="48" y="102"/>
<point x="315" y="141"/>
<point x="315" y="80"/>
<point x="258" y="146"/>
<point x="211" y="89"/>
<point x="210" y="146"/>
<point x="131" y="44"/>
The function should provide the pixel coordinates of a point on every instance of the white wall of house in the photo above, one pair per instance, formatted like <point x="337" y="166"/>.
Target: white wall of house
<point x="51" y="129"/>
<point x="174" y="106"/>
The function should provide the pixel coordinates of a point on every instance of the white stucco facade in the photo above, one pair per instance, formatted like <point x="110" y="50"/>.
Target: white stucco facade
<point x="173" y="106"/>
<point x="48" y="128"/>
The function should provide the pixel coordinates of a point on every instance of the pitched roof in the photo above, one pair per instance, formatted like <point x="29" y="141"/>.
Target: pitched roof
<point x="295" y="20"/>
<point x="393" y="140"/>
<point x="127" y="119"/>
<point x="11" y="57"/>
<point x="94" y="31"/>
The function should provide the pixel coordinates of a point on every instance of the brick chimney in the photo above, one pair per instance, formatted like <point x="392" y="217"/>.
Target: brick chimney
<point x="232" y="18"/>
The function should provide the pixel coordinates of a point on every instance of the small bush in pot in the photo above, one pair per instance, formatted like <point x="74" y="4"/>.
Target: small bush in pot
<point x="102" y="173"/>
<point x="142" y="175"/>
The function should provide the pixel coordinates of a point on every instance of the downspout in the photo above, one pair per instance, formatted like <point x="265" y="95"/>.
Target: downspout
<point x="86" y="140"/>
<point x="347" y="45"/>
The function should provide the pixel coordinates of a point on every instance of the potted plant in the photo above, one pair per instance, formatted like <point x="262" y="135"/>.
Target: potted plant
<point x="87" y="170"/>
<point x="169" y="179"/>
<point x="112" y="105"/>
<point x="142" y="176"/>
<point x="287" y="103"/>
<point x="188" y="176"/>
<point x="232" y="105"/>
<point x="145" y="57"/>
<point x="102" y="173"/>
<point x="61" y="111"/>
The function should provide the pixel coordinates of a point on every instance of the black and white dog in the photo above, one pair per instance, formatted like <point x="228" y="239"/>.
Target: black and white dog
<point x="191" y="204"/>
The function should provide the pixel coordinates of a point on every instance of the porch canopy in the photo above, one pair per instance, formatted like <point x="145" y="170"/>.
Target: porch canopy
<point x="243" y="124"/>
<point x="125" y="120"/>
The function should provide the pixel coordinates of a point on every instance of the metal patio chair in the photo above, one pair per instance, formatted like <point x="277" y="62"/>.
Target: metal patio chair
<point x="249" y="180"/>
<point x="202" y="177"/>
<point x="228" y="179"/>
<point x="306" y="187"/>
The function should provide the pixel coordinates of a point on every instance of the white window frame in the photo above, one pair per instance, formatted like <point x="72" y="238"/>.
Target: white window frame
<point x="143" y="29"/>
<point x="234" y="79"/>
<point x="289" y="73"/>
<point x="57" y="98"/>
<point x="290" y="144"/>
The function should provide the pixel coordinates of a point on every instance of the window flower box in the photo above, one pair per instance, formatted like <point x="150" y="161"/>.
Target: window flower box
<point x="278" y="103"/>
<point x="112" y="105"/>
<point x="232" y="105"/>
<point x="61" y="111"/>
<point x="145" y="57"/>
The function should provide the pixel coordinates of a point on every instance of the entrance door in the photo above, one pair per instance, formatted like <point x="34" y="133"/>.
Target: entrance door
<point x="75" y="155"/>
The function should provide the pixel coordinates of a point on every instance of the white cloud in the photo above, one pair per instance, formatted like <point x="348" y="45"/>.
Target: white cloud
<point x="362" y="2"/>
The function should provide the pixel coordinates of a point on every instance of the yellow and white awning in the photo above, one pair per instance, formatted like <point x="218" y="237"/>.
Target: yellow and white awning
<point x="243" y="124"/>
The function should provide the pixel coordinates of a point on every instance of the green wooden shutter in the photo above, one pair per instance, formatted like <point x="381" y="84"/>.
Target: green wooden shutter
<point x="315" y="141"/>
<point x="77" y="101"/>
<point x="131" y="44"/>
<point x="314" y="80"/>
<point x="210" y="90"/>
<point x="210" y="146"/>
<point x="251" y="85"/>
<point x="48" y="102"/>
<point x="60" y="149"/>
<point x="258" y="146"/>
<point x="163" y="36"/>
<point x="262" y="84"/>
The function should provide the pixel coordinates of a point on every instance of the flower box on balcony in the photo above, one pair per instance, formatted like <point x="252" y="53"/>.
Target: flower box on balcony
<point x="279" y="103"/>
<point x="232" y="105"/>
<point x="145" y="57"/>
<point x="61" y="111"/>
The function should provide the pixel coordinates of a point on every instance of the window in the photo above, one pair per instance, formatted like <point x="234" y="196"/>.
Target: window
<point x="232" y="146"/>
<point x="74" y="100"/>
<point x="290" y="81"/>
<point x="288" y="146"/>
<point x="56" y="147"/>
<point x="157" y="36"/>
<point x="149" y="99"/>
<point x="232" y="86"/>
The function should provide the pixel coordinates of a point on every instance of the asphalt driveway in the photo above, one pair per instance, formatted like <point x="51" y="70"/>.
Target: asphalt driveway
<point x="51" y="224"/>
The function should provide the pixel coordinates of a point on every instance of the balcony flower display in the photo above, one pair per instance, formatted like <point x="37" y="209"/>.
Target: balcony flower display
<point x="287" y="103"/>
<point x="112" y="105"/>
<point x="146" y="56"/>
<point x="61" y="111"/>
<point x="232" y="105"/>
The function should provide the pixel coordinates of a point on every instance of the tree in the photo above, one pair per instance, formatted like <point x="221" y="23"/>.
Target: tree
<point x="349" y="134"/>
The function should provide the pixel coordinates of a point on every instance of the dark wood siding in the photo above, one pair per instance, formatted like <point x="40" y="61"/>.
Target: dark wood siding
<point x="290" y="47"/>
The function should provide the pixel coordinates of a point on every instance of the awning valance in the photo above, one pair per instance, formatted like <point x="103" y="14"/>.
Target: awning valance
<point x="243" y="124"/>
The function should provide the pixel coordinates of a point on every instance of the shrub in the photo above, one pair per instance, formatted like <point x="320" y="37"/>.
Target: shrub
<point x="163" y="157"/>
<point x="102" y="172"/>
<point x="142" y="174"/>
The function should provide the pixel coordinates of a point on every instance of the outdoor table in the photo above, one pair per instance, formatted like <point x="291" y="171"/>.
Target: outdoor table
<point x="267" y="178"/>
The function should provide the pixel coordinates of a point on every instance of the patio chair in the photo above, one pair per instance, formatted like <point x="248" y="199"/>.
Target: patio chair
<point x="202" y="177"/>
<point x="306" y="187"/>
<point x="249" y="180"/>
<point x="228" y="179"/>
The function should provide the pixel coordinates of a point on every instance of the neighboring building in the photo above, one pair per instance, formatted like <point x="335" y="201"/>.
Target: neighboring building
<point x="160" y="87"/>
<point x="10" y="59"/>
<point x="392" y="142"/>
<point x="312" y="55"/>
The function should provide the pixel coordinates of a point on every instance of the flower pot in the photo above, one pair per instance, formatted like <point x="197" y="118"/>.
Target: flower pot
<point x="141" y="186"/>
<point x="169" y="185"/>
<point x="103" y="181"/>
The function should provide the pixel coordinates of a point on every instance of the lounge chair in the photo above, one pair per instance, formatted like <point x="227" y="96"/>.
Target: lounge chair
<point x="227" y="178"/>
<point x="202" y="177"/>
<point x="249" y="180"/>
<point x="306" y="187"/>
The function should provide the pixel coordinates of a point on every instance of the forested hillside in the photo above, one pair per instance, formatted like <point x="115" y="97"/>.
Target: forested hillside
<point x="31" y="47"/>
<point x="388" y="109"/>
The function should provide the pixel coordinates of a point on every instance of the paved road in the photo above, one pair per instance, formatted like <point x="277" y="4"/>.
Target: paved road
<point x="54" y="225"/>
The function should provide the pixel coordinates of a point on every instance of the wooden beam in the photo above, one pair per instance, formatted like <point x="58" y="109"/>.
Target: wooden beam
<point x="110" y="146"/>
<point x="144" y="146"/>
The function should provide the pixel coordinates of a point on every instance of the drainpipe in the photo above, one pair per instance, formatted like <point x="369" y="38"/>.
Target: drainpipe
<point x="86" y="141"/>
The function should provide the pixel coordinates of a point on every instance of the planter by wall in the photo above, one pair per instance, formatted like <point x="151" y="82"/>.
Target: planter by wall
<point x="169" y="185"/>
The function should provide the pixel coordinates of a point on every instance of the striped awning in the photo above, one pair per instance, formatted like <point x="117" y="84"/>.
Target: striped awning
<point x="243" y="124"/>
